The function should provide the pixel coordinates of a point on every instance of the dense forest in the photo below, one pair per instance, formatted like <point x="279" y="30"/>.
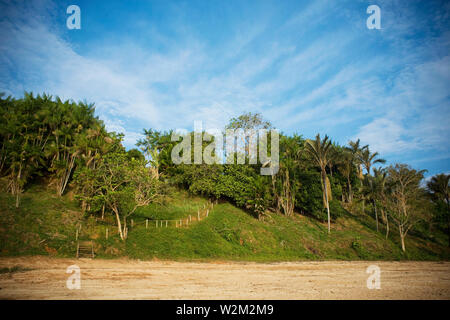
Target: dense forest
<point x="64" y="145"/>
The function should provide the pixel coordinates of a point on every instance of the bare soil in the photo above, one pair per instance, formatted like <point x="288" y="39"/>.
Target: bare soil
<point x="131" y="279"/>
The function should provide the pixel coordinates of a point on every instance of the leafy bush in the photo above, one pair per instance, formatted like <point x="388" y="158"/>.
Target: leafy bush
<point x="336" y="210"/>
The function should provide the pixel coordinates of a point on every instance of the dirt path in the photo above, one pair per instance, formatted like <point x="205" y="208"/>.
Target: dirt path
<point x="129" y="279"/>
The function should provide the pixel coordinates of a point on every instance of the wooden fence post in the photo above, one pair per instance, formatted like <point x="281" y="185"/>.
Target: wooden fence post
<point x="190" y="218"/>
<point x="207" y="212"/>
<point x="76" y="235"/>
<point x="106" y="233"/>
<point x="146" y="223"/>
<point x="132" y="223"/>
<point x="166" y="223"/>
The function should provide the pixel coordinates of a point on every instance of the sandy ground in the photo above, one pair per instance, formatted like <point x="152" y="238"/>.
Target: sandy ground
<point x="130" y="279"/>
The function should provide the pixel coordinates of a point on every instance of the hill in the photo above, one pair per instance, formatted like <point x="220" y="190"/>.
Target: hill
<point x="46" y="224"/>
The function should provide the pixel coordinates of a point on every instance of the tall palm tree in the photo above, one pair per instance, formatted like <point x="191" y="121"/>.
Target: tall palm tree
<point x="345" y="165"/>
<point x="368" y="159"/>
<point x="319" y="149"/>
<point x="334" y="157"/>
<point x="438" y="186"/>
<point x="284" y="183"/>
<point x="374" y="189"/>
<point x="380" y="178"/>
<point x="354" y="149"/>
<point x="155" y="163"/>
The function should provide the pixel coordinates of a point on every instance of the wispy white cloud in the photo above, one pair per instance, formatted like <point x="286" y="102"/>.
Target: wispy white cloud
<point x="317" y="69"/>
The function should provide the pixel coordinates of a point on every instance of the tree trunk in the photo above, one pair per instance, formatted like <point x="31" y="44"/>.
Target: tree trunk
<point x="387" y="226"/>
<point x="125" y="228"/>
<point x="17" y="199"/>
<point x="276" y="196"/>
<point x="376" y="213"/>
<point x="287" y="199"/>
<point x="324" y="177"/>
<point x="350" y="192"/>
<point x="402" y="238"/>
<point x="119" y="225"/>
<point x="66" y="175"/>
<point x="18" y="186"/>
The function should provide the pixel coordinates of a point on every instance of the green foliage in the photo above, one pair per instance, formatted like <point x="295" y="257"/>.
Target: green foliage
<point x="45" y="137"/>
<point x="64" y="145"/>
<point x="249" y="121"/>
<point x="135" y="154"/>
<point x="359" y="248"/>
<point x="439" y="191"/>
<point x="120" y="184"/>
<point x="309" y="197"/>
<point x="45" y="225"/>
<point x="336" y="209"/>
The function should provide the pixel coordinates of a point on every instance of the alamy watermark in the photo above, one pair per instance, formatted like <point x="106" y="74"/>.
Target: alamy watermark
<point x="74" y="20"/>
<point x="74" y="280"/>
<point x="374" y="280"/>
<point x="228" y="147"/>
<point x="374" y="20"/>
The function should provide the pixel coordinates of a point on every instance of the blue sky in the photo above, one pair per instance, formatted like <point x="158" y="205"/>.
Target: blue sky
<point x="307" y="66"/>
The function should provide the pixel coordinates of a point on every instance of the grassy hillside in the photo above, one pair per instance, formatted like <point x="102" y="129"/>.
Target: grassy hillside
<point x="46" y="224"/>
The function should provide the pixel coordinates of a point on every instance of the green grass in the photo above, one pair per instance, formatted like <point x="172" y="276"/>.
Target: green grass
<point x="46" y="225"/>
<point x="178" y="205"/>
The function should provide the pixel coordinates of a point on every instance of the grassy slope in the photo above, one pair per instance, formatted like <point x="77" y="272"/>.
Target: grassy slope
<point x="46" y="224"/>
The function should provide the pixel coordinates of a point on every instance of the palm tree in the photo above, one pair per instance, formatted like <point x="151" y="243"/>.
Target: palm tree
<point x="345" y="165"/>
<point x="155" y="163"/>
<point x="319" y="149"/>
<point x="368" y="159"/>
<point x="284" y="183"/>
<point x="438" y="186"/>
<point x="381" y="190"/>
<point x="355" y="150"/>
<point x="374" y="189"/>
<point x="334" y="157"/>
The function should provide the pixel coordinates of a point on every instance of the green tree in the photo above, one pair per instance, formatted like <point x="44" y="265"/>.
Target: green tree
<point x="319" y="150"/>
<point x="405" y="192"/>
<point x="346" y="165"/>
<point x="354" y="149"/>
<point x="368" y="159"/>
<point x="438" y="187"/>
<point x="135" y="154"/>
<point x="373" y="189"/>
<point x="123" y="185"/>
<point x="285" y="184"/>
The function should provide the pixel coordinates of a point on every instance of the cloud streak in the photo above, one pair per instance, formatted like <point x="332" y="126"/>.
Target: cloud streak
<point x="312" y="68"/>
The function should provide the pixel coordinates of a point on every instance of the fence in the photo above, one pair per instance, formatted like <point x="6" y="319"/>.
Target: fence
<point x="177" y="223"/>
